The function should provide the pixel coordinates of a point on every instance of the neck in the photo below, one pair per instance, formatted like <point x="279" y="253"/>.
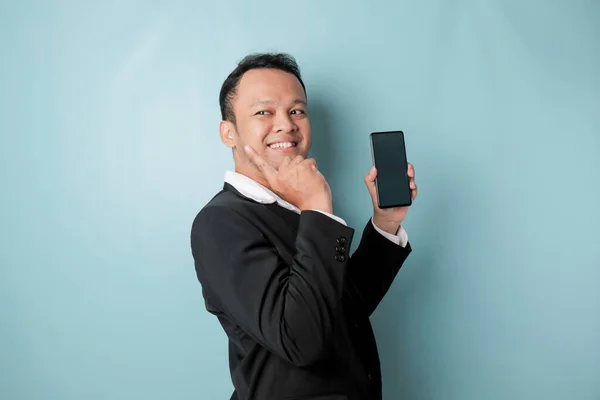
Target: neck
<point x="253" y="174"/>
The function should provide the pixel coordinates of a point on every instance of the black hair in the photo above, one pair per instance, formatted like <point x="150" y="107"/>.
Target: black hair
<point x="280" y="61"/>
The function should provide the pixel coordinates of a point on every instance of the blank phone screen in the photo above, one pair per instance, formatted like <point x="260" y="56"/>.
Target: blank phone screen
<point x="389" y="157"/>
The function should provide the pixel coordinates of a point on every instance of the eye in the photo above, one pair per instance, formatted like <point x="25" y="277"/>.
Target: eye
<point x="262" y="112"/>
<point x="298" y="112"/>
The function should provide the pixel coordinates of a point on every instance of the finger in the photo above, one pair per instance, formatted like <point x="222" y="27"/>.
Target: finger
<point x="372" y="174"/>
<point x="268" y="171"/>
<point x="285" y="162"/>
<point x="411" y="170"/>
<point x="414" y="193"/>
<point x="413" y="184"/>
<point x="370" y="182"/>
<point x="297" y="160"/>
<point x="310" y="161"/>
<point x="313" y="166"/>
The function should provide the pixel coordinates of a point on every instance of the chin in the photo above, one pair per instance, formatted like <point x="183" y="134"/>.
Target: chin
<point x="301" y="152"/>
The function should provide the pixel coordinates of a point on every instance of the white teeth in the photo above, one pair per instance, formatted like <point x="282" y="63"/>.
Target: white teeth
<point x="282" y="145"/>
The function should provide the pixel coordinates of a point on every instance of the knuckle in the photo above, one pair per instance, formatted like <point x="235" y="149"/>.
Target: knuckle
<point x="310" y="162"/>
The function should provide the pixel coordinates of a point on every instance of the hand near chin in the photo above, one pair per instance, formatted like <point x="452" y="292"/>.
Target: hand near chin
<point x="389" y="219"/>
<point x="297" y="181"/>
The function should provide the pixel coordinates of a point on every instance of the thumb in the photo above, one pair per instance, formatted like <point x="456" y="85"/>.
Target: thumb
<point x="370" y="182"/>
<point x="372" y="174"/>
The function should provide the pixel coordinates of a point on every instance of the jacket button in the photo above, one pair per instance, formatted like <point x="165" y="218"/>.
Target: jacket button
<point x="340" y="258"/>
<point x="340" y="249"/>
<point x="341" y="240"/>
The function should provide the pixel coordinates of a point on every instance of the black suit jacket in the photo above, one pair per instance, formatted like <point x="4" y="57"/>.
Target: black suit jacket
<point x="292" y="301"/>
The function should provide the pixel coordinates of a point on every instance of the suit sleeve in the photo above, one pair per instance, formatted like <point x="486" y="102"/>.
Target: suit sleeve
<point x="290" y="309"/>
<point x="373" y="268"/>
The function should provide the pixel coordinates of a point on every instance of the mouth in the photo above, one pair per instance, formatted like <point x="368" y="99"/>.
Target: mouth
<point x="284" y="146"/>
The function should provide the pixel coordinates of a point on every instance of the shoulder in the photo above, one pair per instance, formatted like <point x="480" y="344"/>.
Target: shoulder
<point x="226" y="222"/>
<point x="225" y="208"/>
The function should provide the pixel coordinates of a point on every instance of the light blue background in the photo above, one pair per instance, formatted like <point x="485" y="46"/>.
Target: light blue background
<point x="109" y="147"/>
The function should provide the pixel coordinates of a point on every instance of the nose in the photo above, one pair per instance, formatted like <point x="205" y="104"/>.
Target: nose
<point x="284" y="123"/>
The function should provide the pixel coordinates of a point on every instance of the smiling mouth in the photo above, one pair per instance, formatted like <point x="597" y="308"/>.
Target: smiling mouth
<point x="283" y="145"/>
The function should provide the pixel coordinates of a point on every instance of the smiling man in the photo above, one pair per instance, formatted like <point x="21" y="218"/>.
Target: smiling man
<point x="273" y="259"/>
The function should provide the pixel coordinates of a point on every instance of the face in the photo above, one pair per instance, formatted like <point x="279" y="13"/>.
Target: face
<point x="271" y="116"/>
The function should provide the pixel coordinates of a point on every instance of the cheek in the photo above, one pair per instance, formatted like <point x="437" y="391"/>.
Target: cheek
<point x="306" y="133"/>
<point x="259" y="131"/>
<point x="253" y="131"/>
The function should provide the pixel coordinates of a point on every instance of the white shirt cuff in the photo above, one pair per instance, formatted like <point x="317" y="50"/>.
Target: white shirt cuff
<point x="338" y="219"/>
<point x="400" y="238"/>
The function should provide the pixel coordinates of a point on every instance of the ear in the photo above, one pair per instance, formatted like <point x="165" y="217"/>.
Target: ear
<point x="227" y="133"/>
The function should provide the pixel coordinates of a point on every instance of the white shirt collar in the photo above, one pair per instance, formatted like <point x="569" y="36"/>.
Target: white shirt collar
<point x="255" y="191"/>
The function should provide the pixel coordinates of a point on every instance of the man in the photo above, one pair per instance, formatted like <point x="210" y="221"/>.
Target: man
<point x="273" y="259"/>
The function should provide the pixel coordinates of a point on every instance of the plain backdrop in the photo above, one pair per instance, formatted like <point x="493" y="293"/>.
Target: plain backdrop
<point x="109" y="147"/>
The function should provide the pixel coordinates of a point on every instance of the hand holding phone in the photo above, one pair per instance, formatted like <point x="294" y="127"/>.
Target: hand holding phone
<point x="391" y="181"/>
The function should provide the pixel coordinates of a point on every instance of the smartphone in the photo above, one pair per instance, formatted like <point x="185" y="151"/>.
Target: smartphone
<point x="388" y="150"/>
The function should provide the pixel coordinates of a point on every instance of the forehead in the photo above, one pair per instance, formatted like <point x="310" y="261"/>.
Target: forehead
<point x="269" y="84"/>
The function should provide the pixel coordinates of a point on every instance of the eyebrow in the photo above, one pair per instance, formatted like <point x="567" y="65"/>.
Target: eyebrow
<point x="269" y="102"/>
